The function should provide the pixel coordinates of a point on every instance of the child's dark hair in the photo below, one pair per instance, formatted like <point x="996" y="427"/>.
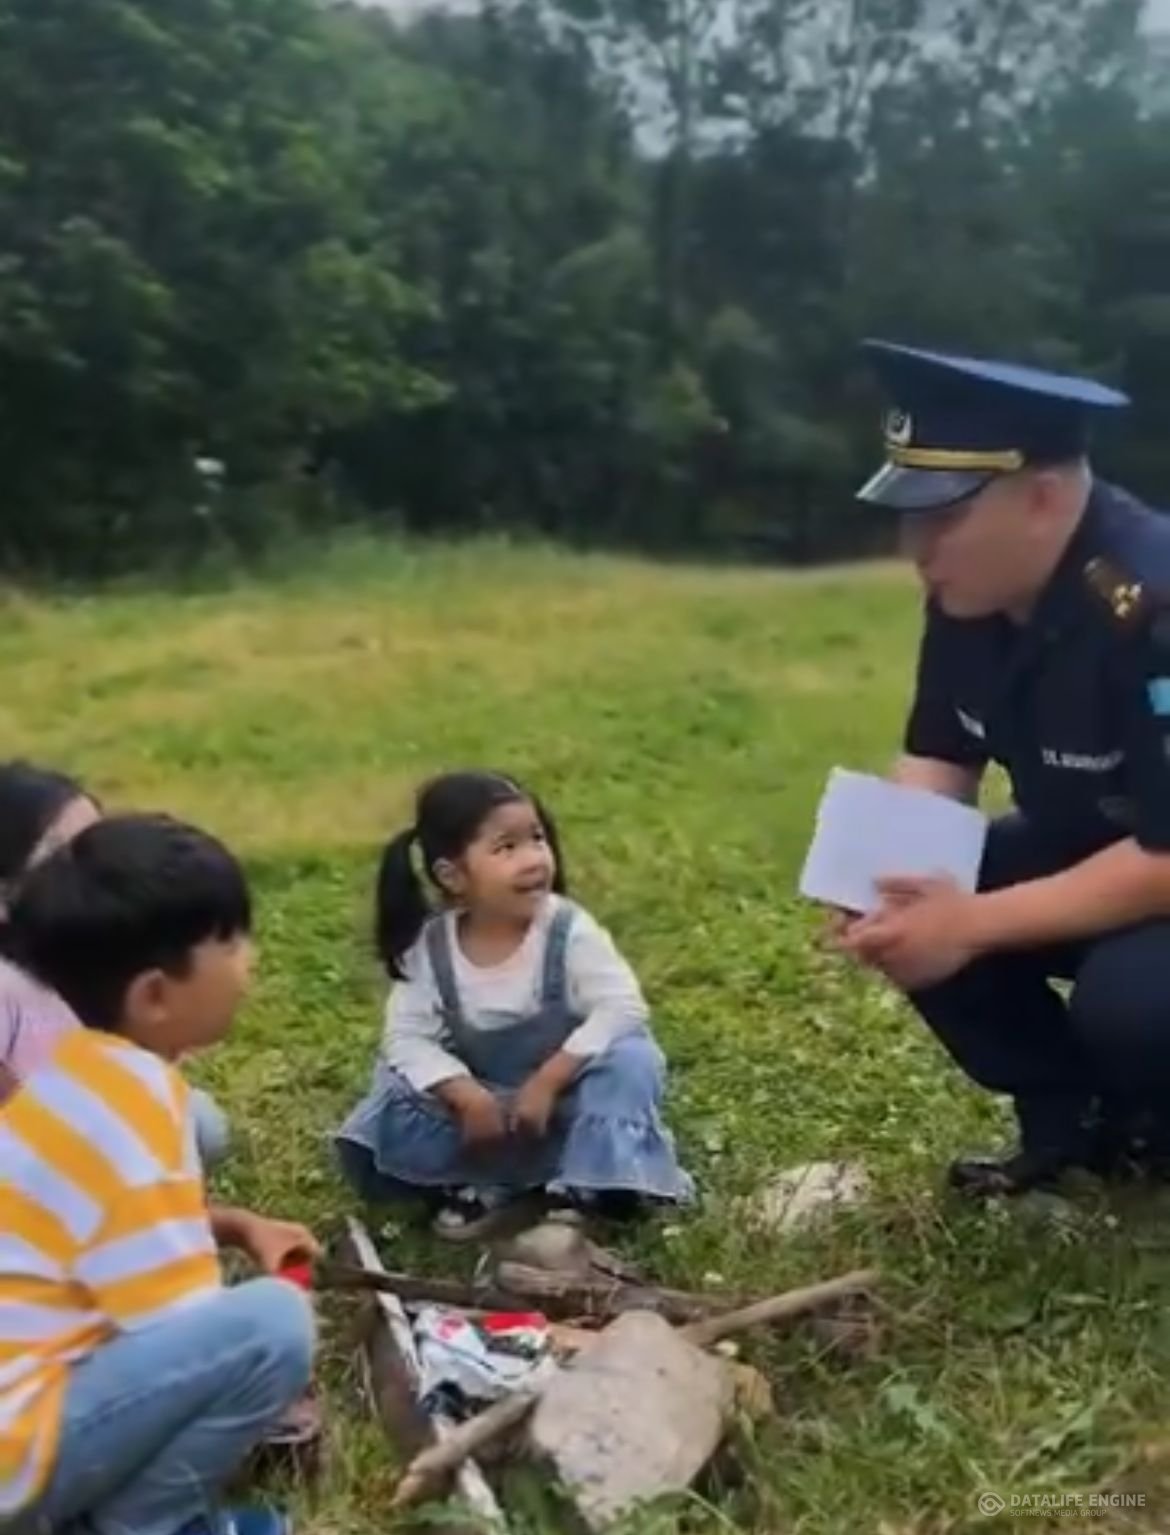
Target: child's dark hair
<point x="449" y="811"/>
<point x="31" y="799"/>
<point x="129" y="894"/>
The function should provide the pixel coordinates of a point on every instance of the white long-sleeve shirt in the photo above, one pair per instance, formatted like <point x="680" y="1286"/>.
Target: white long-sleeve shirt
<point x="602" y="990"/>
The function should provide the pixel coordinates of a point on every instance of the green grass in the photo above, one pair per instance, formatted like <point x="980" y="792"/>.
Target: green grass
<point x="681" y="722"/>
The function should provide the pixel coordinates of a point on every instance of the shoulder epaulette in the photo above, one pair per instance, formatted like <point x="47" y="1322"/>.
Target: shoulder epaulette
<point x="1129" y="601"/>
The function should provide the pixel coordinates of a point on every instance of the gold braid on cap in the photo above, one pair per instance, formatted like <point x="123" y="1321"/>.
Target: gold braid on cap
<point x="1007" y="460"/>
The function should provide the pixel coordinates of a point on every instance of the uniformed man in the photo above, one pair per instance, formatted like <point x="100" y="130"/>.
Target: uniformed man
<point x="1046" y="649"/>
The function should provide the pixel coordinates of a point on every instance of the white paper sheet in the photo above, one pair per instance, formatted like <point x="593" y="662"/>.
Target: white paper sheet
<point x="869" y="828"/>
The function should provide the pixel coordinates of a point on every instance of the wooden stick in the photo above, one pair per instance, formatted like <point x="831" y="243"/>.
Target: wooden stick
<point x="705" y="1319"/>
<point x="413" y="1289"/>
<point x="470" y="1482"/>
<point x="780" y="1308"/>
<point x="560" y="1295"/>
<point x="431" y="1466"/>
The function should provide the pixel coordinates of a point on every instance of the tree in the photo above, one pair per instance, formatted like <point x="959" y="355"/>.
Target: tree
<point x="190" y="266"/>
<point x="597" y="267"/>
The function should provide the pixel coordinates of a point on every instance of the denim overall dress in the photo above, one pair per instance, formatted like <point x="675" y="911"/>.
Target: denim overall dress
<point x="607" y="1132"/>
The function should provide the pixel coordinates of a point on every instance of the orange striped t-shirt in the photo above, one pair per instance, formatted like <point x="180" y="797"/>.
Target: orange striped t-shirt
<point x="103" y="1230"/>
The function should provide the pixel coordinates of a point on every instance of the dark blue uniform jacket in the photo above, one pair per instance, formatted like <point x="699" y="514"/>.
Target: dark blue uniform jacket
<point x="1075" y="706"/>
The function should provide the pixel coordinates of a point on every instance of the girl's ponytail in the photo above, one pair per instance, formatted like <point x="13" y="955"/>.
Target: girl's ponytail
<point x="400" y="907"/>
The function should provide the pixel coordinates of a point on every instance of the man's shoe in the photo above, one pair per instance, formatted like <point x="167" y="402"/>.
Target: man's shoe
<point x="1007" y="1177"/>
<point x="1141" y="1162"/>
<point x="1128" y="1149"/>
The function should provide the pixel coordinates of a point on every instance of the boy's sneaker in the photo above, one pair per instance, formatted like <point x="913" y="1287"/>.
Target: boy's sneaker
<point x="257" y="1520"/>
<point x="296" y="1441"/>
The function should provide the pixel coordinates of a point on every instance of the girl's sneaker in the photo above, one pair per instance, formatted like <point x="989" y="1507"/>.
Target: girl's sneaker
<point x="470" y="1215"/>
<point x="482" y="1215"/>
<point x="614" y="1207"/>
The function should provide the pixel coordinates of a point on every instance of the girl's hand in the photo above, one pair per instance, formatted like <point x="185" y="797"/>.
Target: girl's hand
<point x="480" y="1117"/>
<point x="534" y="1103"/>
<point x="533" y="1107"/>
<point x="483" y="1120"/>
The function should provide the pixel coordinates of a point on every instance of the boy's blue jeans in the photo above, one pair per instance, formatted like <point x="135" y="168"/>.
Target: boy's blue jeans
<point x="157" y="1421"/>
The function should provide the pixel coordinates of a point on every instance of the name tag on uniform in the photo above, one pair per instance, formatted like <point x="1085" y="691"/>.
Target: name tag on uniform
<point x="971" y="725"/>
<point x="1078" y="762"/>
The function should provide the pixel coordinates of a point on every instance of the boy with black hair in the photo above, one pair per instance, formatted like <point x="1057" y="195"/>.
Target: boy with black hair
<point x="132" y="1382"/>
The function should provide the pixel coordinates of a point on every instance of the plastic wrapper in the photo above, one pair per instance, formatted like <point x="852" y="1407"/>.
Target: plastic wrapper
<point x="468" y="1362"/>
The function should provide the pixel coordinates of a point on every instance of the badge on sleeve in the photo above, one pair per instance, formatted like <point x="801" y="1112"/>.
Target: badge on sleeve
<point x="1125" y="599"/>
<point x="1158" y="691"/>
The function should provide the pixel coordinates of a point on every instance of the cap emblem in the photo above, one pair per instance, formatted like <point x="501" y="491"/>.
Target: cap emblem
<point x="899" y="429"/>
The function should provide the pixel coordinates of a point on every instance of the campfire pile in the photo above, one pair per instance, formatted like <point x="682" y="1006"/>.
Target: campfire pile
<point x="629" y="1395"/>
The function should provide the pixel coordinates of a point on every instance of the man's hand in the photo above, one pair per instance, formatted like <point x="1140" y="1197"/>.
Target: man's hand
<point x="924" y="933"/>
<point x="838" y="925"/>
<point x="481" y="1119"/>
<point x="270" y="1244"/>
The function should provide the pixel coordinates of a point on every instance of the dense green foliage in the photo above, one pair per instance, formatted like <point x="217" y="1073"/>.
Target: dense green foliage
<point x="594" y="267"/>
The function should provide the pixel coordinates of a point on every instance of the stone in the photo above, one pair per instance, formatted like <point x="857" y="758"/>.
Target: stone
<point x="636" y="1417"/>
<point x="795" y="1199"/>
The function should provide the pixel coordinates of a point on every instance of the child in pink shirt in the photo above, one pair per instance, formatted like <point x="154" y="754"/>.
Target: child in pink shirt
<point x="40" y="811"/>
<point x="32" y="1020"/>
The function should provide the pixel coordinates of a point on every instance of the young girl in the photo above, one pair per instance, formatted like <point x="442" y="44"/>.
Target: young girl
<point x="517" y="1055"/>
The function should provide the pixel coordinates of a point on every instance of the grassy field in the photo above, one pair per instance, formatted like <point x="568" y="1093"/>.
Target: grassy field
<point x="681" y="722"/>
